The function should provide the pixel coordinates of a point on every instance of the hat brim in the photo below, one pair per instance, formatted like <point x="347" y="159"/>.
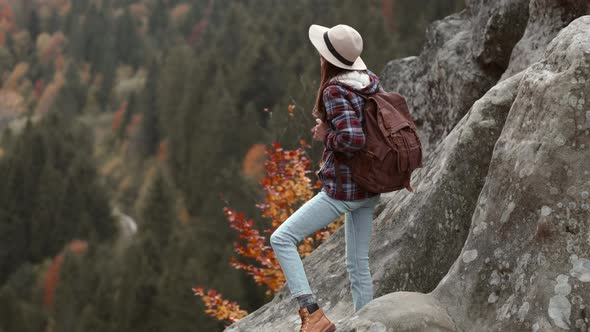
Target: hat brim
<point x="316" y="36"/>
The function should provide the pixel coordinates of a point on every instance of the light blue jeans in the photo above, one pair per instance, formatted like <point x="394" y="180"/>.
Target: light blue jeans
<point x="316" y="214"/>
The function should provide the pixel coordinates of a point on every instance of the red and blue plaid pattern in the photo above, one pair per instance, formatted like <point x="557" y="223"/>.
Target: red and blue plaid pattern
<point x="344" y="117"/>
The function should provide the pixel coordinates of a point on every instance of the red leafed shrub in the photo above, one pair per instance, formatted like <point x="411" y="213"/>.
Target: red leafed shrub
<point x="287" y="186"/>
<point x="218" y="307"/>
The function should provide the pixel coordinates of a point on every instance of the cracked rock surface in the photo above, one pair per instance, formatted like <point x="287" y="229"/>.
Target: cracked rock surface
<point x="526" y="263"/>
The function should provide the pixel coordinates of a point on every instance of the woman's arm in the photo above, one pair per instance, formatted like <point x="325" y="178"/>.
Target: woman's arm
<point x="348" y="135"/>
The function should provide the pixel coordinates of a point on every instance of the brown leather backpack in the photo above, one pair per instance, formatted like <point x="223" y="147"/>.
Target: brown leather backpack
<point x="392" y="150"/>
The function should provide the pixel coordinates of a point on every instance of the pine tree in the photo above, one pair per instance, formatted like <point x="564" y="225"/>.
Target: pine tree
<point x="159" y="24"/>
<point x="18" y="297"/>
<point x="34" y="27"/>
<point x="51" y="193"/>
<point x="149" y="135"/>
<point x="158" y="210"/>
<point x="127" y="43"/>
<point x="72" y="97"/>
<point x="130" y="110"/>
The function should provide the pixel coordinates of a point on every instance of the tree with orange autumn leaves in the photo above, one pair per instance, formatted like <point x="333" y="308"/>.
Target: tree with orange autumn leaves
<point x="287" y="186"/>
<point x="77" y="247"/>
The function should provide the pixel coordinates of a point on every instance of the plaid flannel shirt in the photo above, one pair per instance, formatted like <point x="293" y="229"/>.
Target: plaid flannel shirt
<point x="344" y="117"/>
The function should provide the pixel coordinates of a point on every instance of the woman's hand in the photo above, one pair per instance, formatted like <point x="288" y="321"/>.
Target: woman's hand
<point x="320" y="130"/>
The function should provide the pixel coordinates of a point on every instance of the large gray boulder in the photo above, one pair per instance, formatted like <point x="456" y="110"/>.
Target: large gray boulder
<point x="547" y="18"/>
<point x="498" y="25"/>
<point x="526" y="263"/>
<point x="401" y="312"/>
<point x="495" y="236"/>
<point x="463" y="57"/>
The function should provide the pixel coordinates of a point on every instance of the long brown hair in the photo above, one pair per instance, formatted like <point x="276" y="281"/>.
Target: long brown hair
<point x="327" y="71"/>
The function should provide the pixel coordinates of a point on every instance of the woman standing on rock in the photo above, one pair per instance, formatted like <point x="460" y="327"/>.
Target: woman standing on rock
<point x="338" y="112"/>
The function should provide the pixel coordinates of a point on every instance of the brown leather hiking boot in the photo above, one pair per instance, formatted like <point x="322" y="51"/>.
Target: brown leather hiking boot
<point x="315" y="322"/>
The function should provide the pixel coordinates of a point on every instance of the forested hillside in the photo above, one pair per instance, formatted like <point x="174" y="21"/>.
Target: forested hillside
<point x="124" y="127"/>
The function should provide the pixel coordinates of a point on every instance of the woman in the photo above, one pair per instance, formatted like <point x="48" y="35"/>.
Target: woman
<point x="338" y="115"/>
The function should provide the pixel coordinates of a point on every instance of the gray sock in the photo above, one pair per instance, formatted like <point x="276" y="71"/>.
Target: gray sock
<point x="305" y="300"/>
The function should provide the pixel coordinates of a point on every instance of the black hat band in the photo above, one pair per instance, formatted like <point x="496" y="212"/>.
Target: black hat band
<point x="334" y="52"/>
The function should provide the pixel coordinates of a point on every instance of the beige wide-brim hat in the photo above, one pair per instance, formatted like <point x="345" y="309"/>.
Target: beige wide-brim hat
<point x="341" y="45"/>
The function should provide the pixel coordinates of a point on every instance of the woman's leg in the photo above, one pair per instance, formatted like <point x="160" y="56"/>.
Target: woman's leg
<point x="315" y="214"/>
<point x="357" y="229"/>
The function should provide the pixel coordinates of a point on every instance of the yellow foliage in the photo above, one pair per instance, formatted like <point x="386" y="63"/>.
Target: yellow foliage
<point x="147" y="179"/>
<point x="129" y="81"/>
<point x="183" y="215"/>
<point x="44" y="11"/>
<point x="50" y="93"/>
<point x="108" y="168"/>
<point x="124" y="184"/>
<point x="11" y="103"/>
<point x="17" y="73"/>
<point x="178" y="13"/>
<point x="291" y="108"/>
<point x="49" y="46"/>
<point x="22" y="41"/>
<point x="59" y="62"/>
<point x="124" y="72"/>
<point x="42" y="41"/>
<point x="253" y="164"/>
<point x="25" y="87"/>
<point x="138" y="10"/>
